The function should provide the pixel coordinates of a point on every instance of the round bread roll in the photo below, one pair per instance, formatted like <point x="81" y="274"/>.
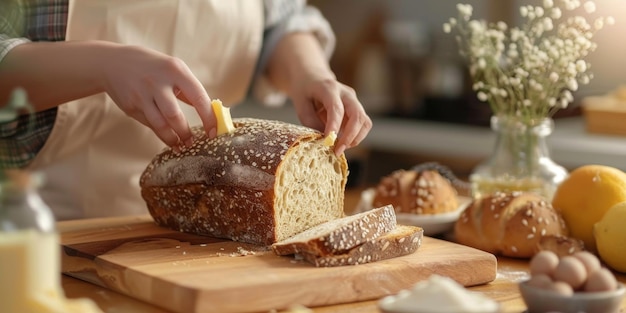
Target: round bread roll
<point x="423" y="192"/>
<point x="508" y="224"/>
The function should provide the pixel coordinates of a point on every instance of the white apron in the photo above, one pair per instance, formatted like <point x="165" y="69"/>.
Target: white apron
<point x="95" y="153"/>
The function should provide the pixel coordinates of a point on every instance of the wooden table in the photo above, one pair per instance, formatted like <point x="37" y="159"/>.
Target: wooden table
<point x="504" y="289"/>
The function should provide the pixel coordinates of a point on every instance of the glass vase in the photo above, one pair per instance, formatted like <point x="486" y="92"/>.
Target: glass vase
<point x="520" y="160"/>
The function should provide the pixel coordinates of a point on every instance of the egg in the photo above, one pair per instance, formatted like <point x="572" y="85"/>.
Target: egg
<point x="544" y="262"/>
<point x="540" y="281"/>
<point x="590" y="261"/>
<point x="572" y="271"/>
<point x="561" y="288"/>
<point x="600" y="280"/>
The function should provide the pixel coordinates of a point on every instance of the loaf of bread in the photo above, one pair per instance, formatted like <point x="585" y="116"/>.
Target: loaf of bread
<point x="509" y="224"/>
<point x="262" y="183"/>
<point x="340" y="235"/>
<point x="400" y="241"/>
<point x="416" y="192"/>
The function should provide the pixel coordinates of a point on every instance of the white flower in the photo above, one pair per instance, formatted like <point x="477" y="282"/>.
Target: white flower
<point x="590" y="7"/>
<point x="482" y="96"/>
<point x="598" y="24"/>
<point x="523" y="11"/>
<point x="556" y="13"/>
<point x="581" y="66"/>
<point x="447" y="28"/>
<point x="539" y="11"/>
<point x="482" y="63"/>
<point x="548" y="4"/>
<point x="610" y="20"/>
<point x="572" y="84"/>
<point x="554" y="77"/>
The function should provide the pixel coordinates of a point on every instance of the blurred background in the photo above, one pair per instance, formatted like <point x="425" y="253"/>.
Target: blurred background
<point x="409" y="76"/>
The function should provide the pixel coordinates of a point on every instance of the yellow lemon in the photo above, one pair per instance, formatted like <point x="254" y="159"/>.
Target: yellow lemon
<point x="585" y="195"/>
<point x="610" y="235"/>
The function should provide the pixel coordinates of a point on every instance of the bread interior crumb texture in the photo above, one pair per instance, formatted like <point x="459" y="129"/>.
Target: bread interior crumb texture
<point x="308" y="189"/>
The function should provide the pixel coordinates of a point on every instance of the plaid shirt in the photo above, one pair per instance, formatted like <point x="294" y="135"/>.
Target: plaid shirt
<point x="46" y="20"/>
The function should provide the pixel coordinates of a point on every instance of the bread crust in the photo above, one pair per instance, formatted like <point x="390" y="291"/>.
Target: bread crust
<point x="509" y="224"/>
<point x="401" y="241"/>
<point x="225" y="187"/>
<point x="409" y="191"/>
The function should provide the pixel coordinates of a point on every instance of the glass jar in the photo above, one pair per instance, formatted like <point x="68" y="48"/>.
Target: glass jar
<point x="520" y="160"/>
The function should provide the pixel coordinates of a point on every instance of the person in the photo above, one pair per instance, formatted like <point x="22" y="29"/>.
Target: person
<point x="114" y="81"/>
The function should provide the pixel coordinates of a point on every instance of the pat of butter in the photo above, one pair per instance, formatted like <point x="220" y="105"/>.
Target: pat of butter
<point x="30" y="271"/>
<point x="222" y="115"/>
<point x="330" y="139"/>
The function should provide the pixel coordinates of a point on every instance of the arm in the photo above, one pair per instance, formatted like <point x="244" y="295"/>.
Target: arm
<point x="142" y="82"/>
<point x="299" y="67"/>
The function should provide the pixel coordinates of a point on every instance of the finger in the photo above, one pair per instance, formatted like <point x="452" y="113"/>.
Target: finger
<point x="355" y="123"/>
<point x="330" y="100"/>
<point x="167" y="104"/>
<point x="192" y="92"/>
<point x="159" y="125"/>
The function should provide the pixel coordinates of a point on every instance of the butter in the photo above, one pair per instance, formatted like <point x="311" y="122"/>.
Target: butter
<point x="330" y="139"/>
<point x="31" y="278"/>
<point x="222" y="115"/>
<point x="438" y="294"/>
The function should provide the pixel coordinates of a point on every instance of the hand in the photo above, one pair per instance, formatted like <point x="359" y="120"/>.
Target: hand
<point x="328" y="105"/>
<point x="145" y="85"/>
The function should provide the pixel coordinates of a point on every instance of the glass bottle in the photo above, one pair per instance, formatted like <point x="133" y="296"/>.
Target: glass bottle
<point x="29" y="246"/>
<point x="520" y="160"/>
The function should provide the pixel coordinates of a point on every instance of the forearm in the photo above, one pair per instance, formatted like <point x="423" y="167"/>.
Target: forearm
<point x="53" y="73"/>
<point x="297" y="55"/>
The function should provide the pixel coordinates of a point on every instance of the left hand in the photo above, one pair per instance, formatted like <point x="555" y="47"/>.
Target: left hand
<point x="325" y="104"/>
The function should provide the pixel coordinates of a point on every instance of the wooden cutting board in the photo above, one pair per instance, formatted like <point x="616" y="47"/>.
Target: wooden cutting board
<point x="187" y="273"/>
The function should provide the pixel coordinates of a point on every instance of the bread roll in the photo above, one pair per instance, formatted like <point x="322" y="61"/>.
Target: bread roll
<point x="509" y="224"/>
<point x="409" y="191"/>
<point x="262" y="183"/>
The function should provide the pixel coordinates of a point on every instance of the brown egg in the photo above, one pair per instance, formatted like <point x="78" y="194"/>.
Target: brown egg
<point x="590" y="261"/>
<point x="544" y="262"/>
<point x="561" y="288"/>
<point x="600" y="280"/>
<point x="542" y="281"/>
<point x="571" y="270"/>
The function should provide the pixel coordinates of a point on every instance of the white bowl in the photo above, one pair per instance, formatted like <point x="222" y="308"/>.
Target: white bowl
<point x="540" y="300"/>
<point x="433" y="224"/>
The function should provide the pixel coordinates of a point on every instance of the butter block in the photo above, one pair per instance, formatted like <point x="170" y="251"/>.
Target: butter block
<point x="222" y="115"/>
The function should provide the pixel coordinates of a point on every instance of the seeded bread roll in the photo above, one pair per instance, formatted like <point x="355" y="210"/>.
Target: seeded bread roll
<point x="400" y="241"/>
<point x="423" y="192"/>
<point x="341" y="234"/>
<point x="262" y="183"/>
<point x="509" y="224"/>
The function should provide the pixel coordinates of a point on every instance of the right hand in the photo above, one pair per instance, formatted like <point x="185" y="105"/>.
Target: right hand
<point x="145" y="84"/>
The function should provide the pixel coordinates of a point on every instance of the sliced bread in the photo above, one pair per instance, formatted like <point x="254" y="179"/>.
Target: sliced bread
<point x="402" y="240"/>
<point x="341" y="234"/>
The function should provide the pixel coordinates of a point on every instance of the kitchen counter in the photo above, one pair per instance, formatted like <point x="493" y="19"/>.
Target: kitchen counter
<point x="503" y="289"/>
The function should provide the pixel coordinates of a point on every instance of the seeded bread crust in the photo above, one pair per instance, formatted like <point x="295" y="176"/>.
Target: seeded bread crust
<point x="401" y="241"/>
<point x="423" y="192"/>
<point x="264" y="182"/>
<point x="340" y="235"/>
<point x="509" y="224"/>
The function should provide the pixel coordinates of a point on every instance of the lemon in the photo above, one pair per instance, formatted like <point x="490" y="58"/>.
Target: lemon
<point x="610" y="235"/>
<point x="584" y="197"/>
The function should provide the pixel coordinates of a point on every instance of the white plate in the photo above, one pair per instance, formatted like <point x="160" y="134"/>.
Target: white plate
<point x="433" y="224"/>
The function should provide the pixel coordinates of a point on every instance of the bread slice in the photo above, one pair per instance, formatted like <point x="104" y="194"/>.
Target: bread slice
<point x="341" y="234"/>
<point x="402" y="240"/>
